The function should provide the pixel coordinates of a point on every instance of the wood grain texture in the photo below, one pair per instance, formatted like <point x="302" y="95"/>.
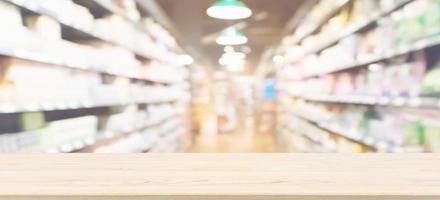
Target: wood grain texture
<point x="220" y="176"/>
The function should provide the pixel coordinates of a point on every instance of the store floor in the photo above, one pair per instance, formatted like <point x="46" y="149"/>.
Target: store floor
<point x="245" y="139"/>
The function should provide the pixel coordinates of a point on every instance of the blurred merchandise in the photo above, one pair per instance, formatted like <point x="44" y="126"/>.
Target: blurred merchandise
<point x="89" y="76"/>
<point x="139" y="76"/>
<point x="366" y="81"/>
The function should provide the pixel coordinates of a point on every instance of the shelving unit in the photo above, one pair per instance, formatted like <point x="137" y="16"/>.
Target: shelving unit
<point x="46" y="59"/>
<point x="48" y="107"/>
<point x="410" y="102"/>
<point x="316" y="141"/>
<point x="323" y="20"/>
<point x="31" y="6"/>
<point x="417" y="46"/>
<point x="119" y="103"/>
<point x="329" y="85"/>
<point x="334" y="129"/>
<point x="108" y="7"/>
<point x="110" y="138"/>
<point x="354" y="28"/>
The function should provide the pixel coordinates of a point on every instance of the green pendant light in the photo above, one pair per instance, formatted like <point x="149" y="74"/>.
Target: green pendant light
<point x="231" y="37"/>
<point x="229" y="10"/>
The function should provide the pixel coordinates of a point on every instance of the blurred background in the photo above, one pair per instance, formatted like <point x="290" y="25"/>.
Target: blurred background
<point x="260" y="76"/>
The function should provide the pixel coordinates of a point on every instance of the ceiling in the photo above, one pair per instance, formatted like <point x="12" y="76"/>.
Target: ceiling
<point x="190" y="19"/>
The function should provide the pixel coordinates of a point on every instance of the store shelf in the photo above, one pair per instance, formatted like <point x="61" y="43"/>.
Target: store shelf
<point x="392" y="120"/>
<point x="62" y="106"/>
<point x="36" y="8"/>
<point x="309" y="138"/>
<point x="72" y="146"/>
<point x="107" y="138"/>
<point x="110" y="8"/>
<point x="112" y="75"/>
<point x="354" y="28"/>
<point x="46" y="59"/>
<point x="174" y="128"/>
<point x="105" y="5"/>
<point x="411" y="102"/>
<point x="416" y="46"/>
<point x="335" y="129"/>
<point x="324" y="20"/>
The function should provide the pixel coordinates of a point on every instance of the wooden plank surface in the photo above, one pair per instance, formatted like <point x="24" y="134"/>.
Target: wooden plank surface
<point x="220" y="176"/>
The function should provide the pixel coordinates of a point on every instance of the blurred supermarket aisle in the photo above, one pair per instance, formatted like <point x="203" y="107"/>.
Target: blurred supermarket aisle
<point x="160" y="76"/>
<point x="236" y="143"/>
<point x="245" y="139"/>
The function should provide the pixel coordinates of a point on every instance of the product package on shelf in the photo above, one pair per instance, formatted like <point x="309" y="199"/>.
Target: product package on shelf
<point x="399" y="77"/>
<point x="45" y="27"/>
<point x="21" y="142"/>
<point x="115" y="28"/>
<point x="160" y="34"/>
<point x="12" y="13"/>
<point x="135" y="143"/>
<point x="123" y="122"/>
<point x="431" y="81"/>
<point x="159" y="113"/>
<point x="165" y="73"/>
<point x="70" y="130"/>
<point x="67" y="86"/>
<point x="57" y="136"/>
<point x="400" y="130"/>
<point x="166" y="137"/>
<point x="114" y="59"/>
<point x="317" y="14"/>
<point x="431" y="136"/>
<point x="67" y="10"/>
<point x="416" y="22"/>
<point x="32" y="121"/>
<point x="128" y="7"/>
<point x="31" y="83"/>
<point x="168" y="143"/>
<point x="161" y="134"/>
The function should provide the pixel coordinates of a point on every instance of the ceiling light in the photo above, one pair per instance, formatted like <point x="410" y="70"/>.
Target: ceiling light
<point x="228" y="61"/>
<point x="186" y="60"/>
<point x="236" y="65"/>
<point x="278" y="59"/>
<point x="232" y="58"/>
<point x="236" y="68"/>
<point x="234" y="55"/>
<point x="231" y="37"/>
<point x="222" y="61"/>
<point x="375" y="67"/>
<point x="246" y="49"/>
<point x="228" y="49"/>
<point x="229" y="10"/>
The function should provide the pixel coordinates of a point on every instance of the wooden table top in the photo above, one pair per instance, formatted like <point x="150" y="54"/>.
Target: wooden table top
<point x="220" y="176"/>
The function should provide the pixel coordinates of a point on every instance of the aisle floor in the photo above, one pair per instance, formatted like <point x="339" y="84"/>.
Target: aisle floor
<point x="243" y="140"/>
<point x="235" y="143"/>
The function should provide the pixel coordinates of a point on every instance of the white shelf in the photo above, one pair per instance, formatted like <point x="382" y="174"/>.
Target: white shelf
<point x="412" y="102"/>
<point x="91" y="32"/>
<point x="58" y="106"/>
<point x="324" y="19"/>
<point x="73" y="146"/>
<point x="417" y="46"/>
<point x="90" y="141"/>
<point x="42" y="58"/>
<point x="366" y="141"/>
<point x="312" y="139"/>
<point x="354" y="28"/>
